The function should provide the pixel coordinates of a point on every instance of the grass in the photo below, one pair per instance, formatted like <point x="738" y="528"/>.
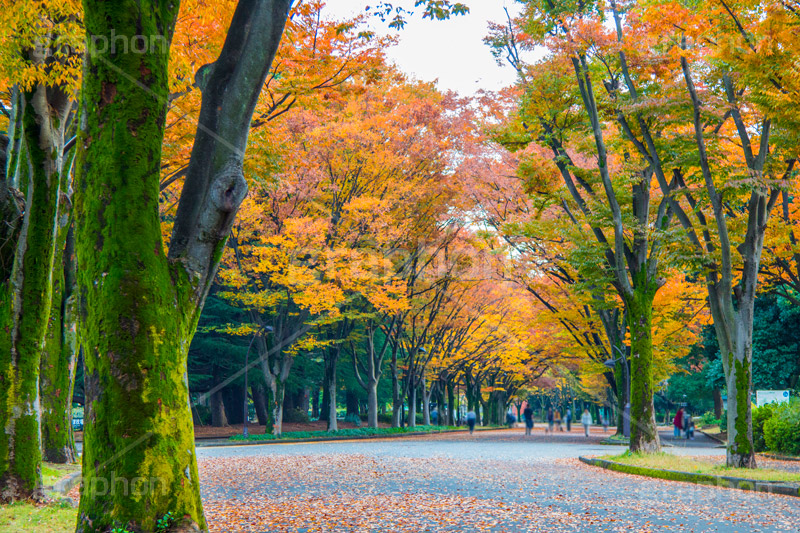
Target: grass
<point x="357" y="432"/>
<point x="668" y="461"/>
<point x="49" y="518"/>
<point x="52" y="472"/>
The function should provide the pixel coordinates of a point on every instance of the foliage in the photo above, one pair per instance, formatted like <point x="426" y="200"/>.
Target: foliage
<point x="708" y="419"/>
<point x="782" y="429"/>
<point x="354" y="419"/>
<point x="760" y="417"/>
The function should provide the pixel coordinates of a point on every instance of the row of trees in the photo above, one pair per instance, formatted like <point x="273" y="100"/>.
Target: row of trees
<point x="663" y="133"/>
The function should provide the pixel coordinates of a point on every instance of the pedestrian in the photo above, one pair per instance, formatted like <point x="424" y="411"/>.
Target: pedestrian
<point x="510" y="418"/>
<point x="528" y="415"/>
<point x="677" y="422"/>
<point x="549" y="420"/>
<point x="557" y="417"/>
<point x="689" y="426"/>
<point x="586" y="420"/>
<point x="471" y="417"/>
<point x="568" y="418"/>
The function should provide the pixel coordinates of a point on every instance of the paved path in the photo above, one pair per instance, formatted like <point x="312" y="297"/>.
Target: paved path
<point x="496" y="481"/>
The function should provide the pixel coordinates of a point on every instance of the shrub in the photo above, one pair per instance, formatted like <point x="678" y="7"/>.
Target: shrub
<point x="296" y="416"/>
<point x="782" y="429"/>
<point x="386" y="418"/>
<point x="354" y="419"/>
<point x="708" y="419"/>
<point x="760" y="416"/>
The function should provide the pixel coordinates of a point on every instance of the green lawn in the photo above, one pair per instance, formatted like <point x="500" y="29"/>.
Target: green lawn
<point x="51" y="518"/>
<point x="668" y="461"/>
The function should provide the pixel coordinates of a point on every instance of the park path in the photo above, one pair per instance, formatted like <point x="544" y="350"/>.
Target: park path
<point x="496" y="481"/>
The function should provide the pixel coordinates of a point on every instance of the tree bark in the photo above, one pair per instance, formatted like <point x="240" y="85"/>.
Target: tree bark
<point x="644" y="434"/>
<point x="260" y="403"/>
<point x="57" y="366"/>
<point x="26" y="294"/>
<point x="217" y="405"/>
<point x="717" y="395"/>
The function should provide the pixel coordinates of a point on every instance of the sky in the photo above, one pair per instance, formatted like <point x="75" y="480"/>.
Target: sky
<point x="451" y="51"/>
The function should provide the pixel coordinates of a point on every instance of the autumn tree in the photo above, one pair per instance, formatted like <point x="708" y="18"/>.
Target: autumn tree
<point x="38" y="71"/>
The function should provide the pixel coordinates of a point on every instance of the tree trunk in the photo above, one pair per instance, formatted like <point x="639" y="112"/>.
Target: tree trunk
<point x="57" y="367"/>
<point x="372" y="403"/>
<point x="260" y="404"/>
<point x="397" y="397"/>
<point x="412" y="406"/>
<point x="644" y="435"/>
<point x="315" y="403"/>
<point x="233" y="396"/>
<point x="25" y="295"/>
<point x="717" y="395"/>
<point x="217" y="407"/>
<point x="426" y="404"/>
<point x="330" y="385"/>
<point x="451" y="404"/>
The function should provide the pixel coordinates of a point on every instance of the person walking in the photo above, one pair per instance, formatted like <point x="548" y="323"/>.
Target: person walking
<point x="689" y="425"/>
<point x="677" y="422"/>
<point x="549" y="420"/>
<point x="471" y="417"/>
<point x="557" y="418"/>
<point x="527" y="414"/>
<point x="586" y="420"/>
<point x="568" y="418"/>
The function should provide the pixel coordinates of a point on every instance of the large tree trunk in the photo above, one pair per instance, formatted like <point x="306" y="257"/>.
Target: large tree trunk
<point x="57" y="367"/>
<point x="217" y="407"/>
<point x="260" y="403"/>
<point x="330" y="385"/>
<point x="717" y="395"/>
<point x="137" y="313"/>
<point x="26" y="289"/>
<point x="139" y="308"/>
<point x="372" y="404"/>
<point x="451" y="404"/>
<point x="644" y="434"/>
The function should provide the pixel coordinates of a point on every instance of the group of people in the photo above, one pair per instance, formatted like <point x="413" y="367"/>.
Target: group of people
<point x="683" y="424"/>
<point x="554" y="419"/>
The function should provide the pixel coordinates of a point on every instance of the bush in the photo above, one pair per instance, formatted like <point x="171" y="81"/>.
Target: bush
<point x="354" y="419"/>
<point x="723" y="421"/>
<point x="386" y="418"/>
<point x="296" y="416"/>
<point x="760" y="416"/>
<point x="708" y="419"/>
<point x="782" y="429"/>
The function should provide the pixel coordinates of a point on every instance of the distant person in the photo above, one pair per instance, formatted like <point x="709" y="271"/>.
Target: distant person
<point x="557" y="417"/>
<point x="568" y="418"/>
<point x="605" y="423"/>
<point x="586" y="420"/>
<point x="550" y="420"/>
<point x="510" y="418"/>
<point x="689" y="426"/>
<point x="471" y="417"/>
<point x="677" y="422"/>
<point x="434" y="417"/>
<point x="527" y="414"/>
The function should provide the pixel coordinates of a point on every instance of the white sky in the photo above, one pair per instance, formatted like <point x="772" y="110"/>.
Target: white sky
<point x="451" y="51"/>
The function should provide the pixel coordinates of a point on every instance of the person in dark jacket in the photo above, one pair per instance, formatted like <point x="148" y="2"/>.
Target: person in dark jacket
<point x="527" y="414"/>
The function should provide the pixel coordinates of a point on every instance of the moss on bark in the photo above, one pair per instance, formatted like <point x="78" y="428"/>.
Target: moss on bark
<point x="137" y="314"/>
<point x="25" y="307"/>
<point x="644" y="435"/>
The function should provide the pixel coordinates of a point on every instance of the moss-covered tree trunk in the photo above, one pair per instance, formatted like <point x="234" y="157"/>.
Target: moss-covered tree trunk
<point x="139" y="306"/>
<point x="644" y="433"/>
<point x="57" y="366"/>
<point x="137" y="314"/>
<point x="26" y="292"/>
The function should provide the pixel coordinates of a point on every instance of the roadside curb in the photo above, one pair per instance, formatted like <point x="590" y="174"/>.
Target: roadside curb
<point x="714" y="437"/>
<point x="225" y="442"/>
<point x="66" y="484"/>
<point x="778" y="457"/>
<point x="771" y="487"/>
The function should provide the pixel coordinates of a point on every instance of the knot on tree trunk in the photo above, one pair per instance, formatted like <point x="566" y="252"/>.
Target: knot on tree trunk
<point x="229" y="187"/>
